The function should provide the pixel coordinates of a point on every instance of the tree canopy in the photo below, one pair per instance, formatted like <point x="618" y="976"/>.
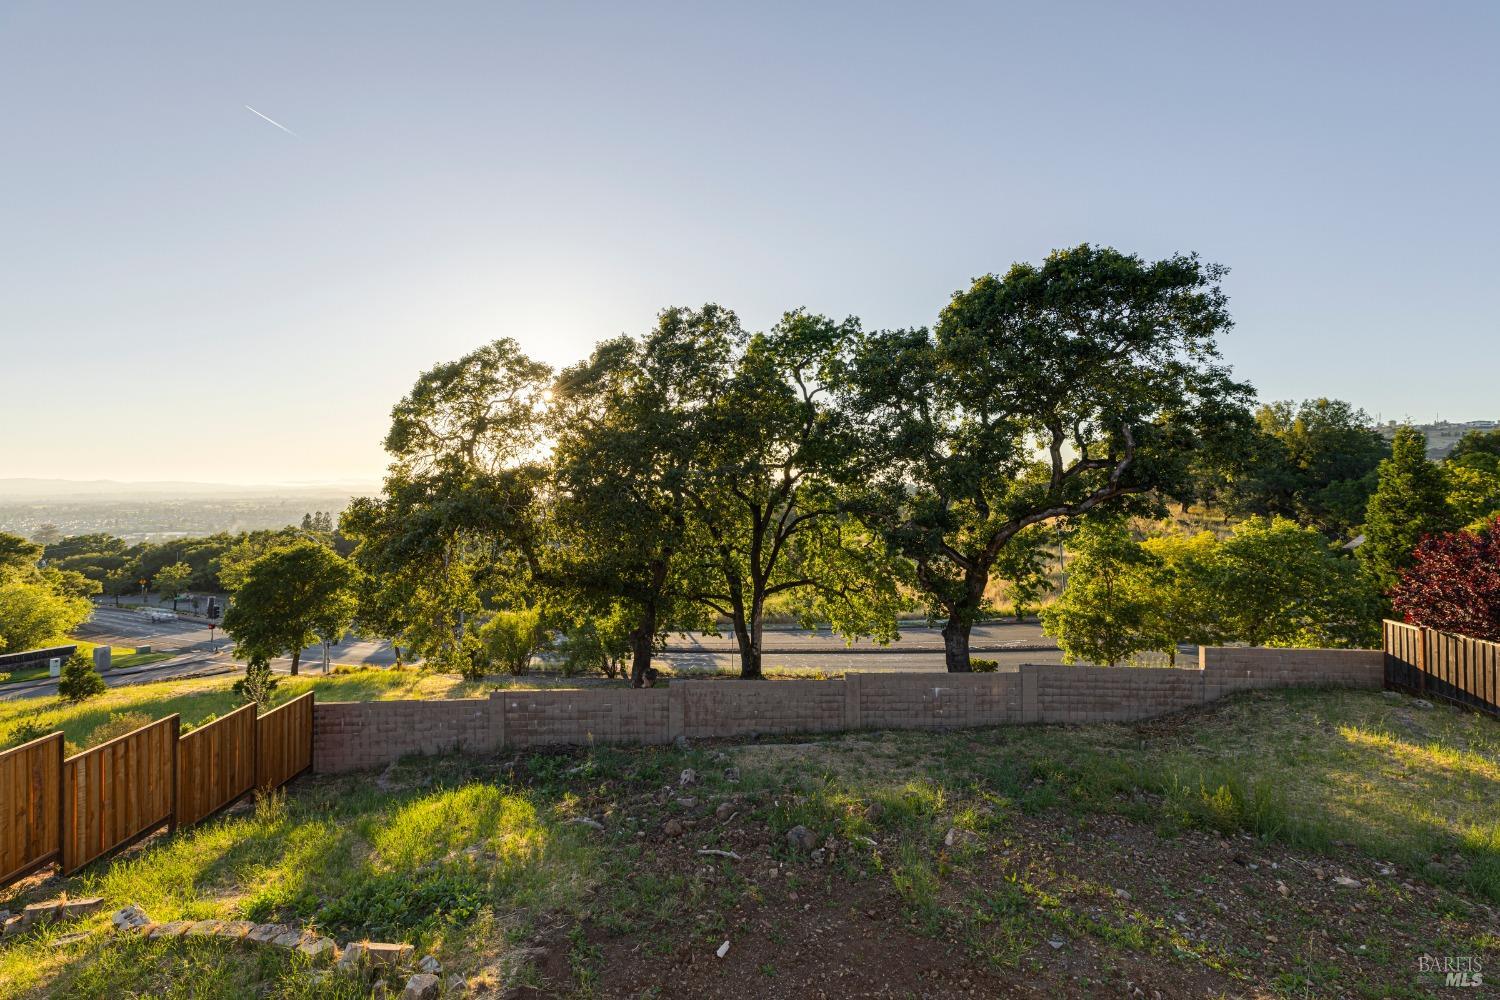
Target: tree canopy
<point x="291" y="598"/>
<point x="1089" y="384"/>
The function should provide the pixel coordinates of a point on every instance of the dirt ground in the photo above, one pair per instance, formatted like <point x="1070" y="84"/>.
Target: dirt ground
<point x="1055" y="907"/>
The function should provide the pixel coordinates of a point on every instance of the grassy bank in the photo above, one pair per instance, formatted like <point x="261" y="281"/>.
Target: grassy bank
<point x="1199" y="855"/>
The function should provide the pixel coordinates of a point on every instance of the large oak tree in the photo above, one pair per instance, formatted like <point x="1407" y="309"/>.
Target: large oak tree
<point x="1088" y="383"/>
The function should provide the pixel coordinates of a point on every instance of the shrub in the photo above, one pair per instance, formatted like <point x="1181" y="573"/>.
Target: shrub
<point x="510" y="638"/>
<point x="1453" y="583"/>
<point x="983" y="666"/>
<point x="119" y="724"/>
<point x="257" y="684"/>
<point x="24" y="732"/>
<point x="79" y="681"/>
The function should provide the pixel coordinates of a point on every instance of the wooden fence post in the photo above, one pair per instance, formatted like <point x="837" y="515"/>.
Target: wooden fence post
<point x="62" y="805"/>
<point x="1421" y="659"/>
<point x="176" y="758"/>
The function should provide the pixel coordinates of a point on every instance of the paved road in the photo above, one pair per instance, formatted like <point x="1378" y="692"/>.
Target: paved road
<point x="195" y="653"/>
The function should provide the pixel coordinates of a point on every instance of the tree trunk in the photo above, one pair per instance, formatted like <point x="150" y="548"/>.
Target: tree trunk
<point x="748" y="635"/>
<point x="296" y="660"/>
<point x="956" y="644"/>
<point x="642" y="637"/>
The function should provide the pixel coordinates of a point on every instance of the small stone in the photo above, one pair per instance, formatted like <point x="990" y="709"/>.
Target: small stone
<point x="73" y="908"/>
<point x="288" y="940"/>
<point x="1421" y="703"/>
<point x="819" y="856"/>
<point x="352" y="956"/>
<point x="234" y="930"/>
<point x="40" y="913"/>
<point x="681" y="743"/>
<point x="1122" y="894"/>
<point x="732" y="775"/>
<point x="266" y="933"/>
<point x="387" y="956"/>
<point x="723" y="949"/>
<point x="319" y="949"/>
<point x="176" y="928"/>
<point x="1281" y="888"/>
<point x="687" y="802"/>
<point x="131" y="918"/>
<point x="421" y="986"/>
<point x="800" y="838"/>
<point x="592" y="824"/>
<point x="725" y="810"/>
<point x="687" y="777"/>
<point x="1347" y="882"/>
<point x="430" y="964"/>
<point x="673" y="828"/>
<point x="1056" y="943"/>
<point x="204" y="928"/>
<point x="68" y="939"/>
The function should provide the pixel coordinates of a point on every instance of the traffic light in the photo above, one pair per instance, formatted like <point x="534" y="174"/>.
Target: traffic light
<point x="213" y="607"/>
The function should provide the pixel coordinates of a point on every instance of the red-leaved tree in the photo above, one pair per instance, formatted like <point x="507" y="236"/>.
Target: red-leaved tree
<point x="1454" y="584"/>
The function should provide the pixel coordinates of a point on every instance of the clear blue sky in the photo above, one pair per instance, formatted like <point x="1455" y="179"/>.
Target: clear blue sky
<point x="188" y="292"/>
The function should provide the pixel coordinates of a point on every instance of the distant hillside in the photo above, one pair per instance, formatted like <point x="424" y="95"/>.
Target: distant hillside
<point x="1441" y="435"/>
<point x="156" y="511"/>
<point x="49" y="489"/>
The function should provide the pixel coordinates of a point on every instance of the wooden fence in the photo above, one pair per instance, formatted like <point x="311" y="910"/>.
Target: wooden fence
<point x="1441" y="665"/>
<point x="76" y="810"/>
<point x="31" y="813"/>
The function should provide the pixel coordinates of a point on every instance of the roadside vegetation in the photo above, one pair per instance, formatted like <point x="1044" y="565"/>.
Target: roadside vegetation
<point x="1194" y="855"/>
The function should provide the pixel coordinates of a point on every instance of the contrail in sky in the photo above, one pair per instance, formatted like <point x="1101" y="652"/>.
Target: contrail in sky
<point x="271" y="120"/>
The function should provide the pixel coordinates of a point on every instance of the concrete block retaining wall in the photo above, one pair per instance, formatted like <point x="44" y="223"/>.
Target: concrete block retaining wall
<point x="354" y="736"/>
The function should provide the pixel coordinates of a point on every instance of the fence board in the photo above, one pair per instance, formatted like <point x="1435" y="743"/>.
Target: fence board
<point x="118" y="791"/>
<point x="1453" y="668"/>
<point x="215" y="765"/>
<point x="30" y="806"/>
<point x="283" y="742"/>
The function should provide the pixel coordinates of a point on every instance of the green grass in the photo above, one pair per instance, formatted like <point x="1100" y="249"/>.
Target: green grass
<point x="202" y="700"/>
<point x="129" y="660"/>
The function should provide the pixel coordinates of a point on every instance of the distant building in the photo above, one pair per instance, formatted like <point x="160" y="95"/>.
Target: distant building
<point x="1442" y="435"/>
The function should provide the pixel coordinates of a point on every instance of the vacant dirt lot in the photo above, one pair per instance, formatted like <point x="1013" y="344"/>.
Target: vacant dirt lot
<point x="1283" y="844"/>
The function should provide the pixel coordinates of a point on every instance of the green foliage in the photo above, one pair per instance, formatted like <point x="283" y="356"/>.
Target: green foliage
<point x="1022" y="566"/>
<point x="259" y="683"/>
<point x="1272" y="583"/>
<point x="1479" y="450"/>
<point x="24" y="731"/>
<point x="79" y="680"/>
<point x="1102" y="364"/>
<point x="1103" y="612"/>
<point x="1280" y="584"/>
<point x="511" y="638"/>
<point x="599" y="642"/>
<point x="1181" y="593"/>
<point x="1473" y="492"/>
<point x="459" y="520"/>
<point x="1314" y="462"/>
<point x="118" y="724"/>
<point x="1410" y="502"/>
<point x="37" y="605"/>
<point x="291" y="598"/>
<point x="170" y="580"/>
<point x="983" y="666"/>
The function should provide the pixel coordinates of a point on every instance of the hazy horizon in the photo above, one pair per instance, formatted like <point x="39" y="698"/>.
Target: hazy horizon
<point x="192" y="292"/>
